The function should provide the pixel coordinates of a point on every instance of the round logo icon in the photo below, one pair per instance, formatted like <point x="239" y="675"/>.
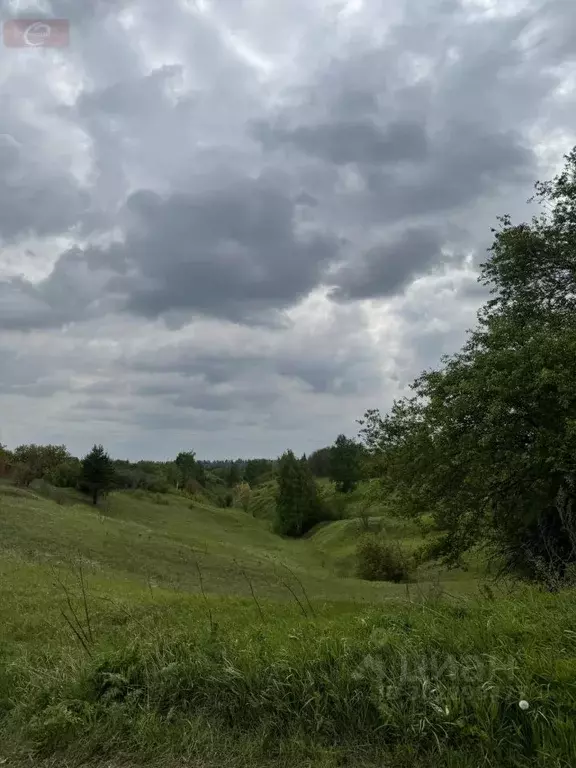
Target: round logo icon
<point x="37" y="33"/>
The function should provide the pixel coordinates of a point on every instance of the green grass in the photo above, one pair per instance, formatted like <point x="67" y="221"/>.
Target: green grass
<point x="200" y="648"/>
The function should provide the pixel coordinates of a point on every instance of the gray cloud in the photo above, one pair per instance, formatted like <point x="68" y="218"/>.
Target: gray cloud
<point x="195" y="200"/>
<point x="34" y="197"/>
<point x="352" y="141"/>
<point x="388" y="268"/>
<point x="234" y="254"/>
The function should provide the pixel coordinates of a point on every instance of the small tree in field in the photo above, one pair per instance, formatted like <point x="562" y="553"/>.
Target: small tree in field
<point x="97" y="472"/>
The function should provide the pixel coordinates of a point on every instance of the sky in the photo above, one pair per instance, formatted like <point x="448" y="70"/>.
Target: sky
<point x="233" y="226"/>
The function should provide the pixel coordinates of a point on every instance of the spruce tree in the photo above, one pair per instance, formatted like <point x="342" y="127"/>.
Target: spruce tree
<point x="97" y="472"/>
<point x="298" y="507"/>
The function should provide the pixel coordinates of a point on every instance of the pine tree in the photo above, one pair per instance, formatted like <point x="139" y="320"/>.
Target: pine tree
<point x="97" y="472"/>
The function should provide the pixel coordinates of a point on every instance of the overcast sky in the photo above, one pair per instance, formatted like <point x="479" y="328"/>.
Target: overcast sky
<point x="232" y="226"/>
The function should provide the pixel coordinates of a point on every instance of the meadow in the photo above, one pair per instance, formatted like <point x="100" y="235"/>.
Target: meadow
<point x="161" y="630"/>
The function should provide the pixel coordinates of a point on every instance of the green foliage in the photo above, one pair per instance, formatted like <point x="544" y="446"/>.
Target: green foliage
<point x="67" y="474"/>
<point x="97" y="472"/>
<point x="487" y="444"/>
<point x="381" y="560"/>
<point x="23" y="475"/>
<point x="298" y="505"/>
<point x="243" y="494"/>
<point x="37" y="461"/>
<point x="191" y="472"/>
<point x="256" y="470"/>
<point x="345" y="463"/>
<point x="319" y="462"/>
<point x="233" y="475"/>
<point x="6" y="459"/>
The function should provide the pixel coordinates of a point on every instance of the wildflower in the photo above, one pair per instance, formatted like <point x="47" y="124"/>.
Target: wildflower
<point x="523" y="704"/>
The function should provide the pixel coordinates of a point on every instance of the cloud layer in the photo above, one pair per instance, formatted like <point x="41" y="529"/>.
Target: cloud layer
<point x="234" y="226"/>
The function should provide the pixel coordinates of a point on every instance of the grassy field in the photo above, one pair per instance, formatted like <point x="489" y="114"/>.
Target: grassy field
<point x="157" y="630"/>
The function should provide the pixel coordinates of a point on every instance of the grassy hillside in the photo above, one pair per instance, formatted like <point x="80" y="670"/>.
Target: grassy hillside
<point x="192" y="635"/>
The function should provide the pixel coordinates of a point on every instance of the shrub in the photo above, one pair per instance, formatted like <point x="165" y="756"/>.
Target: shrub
<point x="379" y="560"/>
<point x="23" y="475"/>
<point x="66" y="474"/>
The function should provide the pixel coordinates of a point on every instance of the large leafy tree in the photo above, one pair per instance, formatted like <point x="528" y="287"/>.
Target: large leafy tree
<point x="320" y="462"/>
<point x="189" y="470"/>
<point x="487" y="443"/>
<point x="37" y="461"/>
<point x="97" y="472"/>
<point x="256" y="470"/>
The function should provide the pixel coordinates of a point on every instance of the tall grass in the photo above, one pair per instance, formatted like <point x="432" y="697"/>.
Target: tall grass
<point x="432" y="683"/>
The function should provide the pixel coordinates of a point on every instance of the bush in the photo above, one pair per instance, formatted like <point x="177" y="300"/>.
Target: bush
<point x="65" y="475"/>
<point x="379" y="560"/>
<point x="23" y="475"/>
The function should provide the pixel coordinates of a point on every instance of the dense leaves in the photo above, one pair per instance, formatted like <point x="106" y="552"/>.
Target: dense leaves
<point x="298" y="506"/>
<point x="345" y="467"/>
<point x="97" y="473"/>
<point x="487" y="443"/>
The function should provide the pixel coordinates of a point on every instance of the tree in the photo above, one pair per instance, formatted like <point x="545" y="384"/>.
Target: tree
<point x="97" y="472"/>
<point x="298" y="506"/>
<point x="256" y="470"/>
<point x="67" y="474"/>
<point x="344" y="464"/>
<point x="36" y="461"/>
<point x="320" y="462"/>
<point x="487" y="443"/>
<point x="233" y="476"/>
<point x="243" y="495"/>
<point x="6" y="459"/>
<point x="189" y="469"/>
<point x="186" y="465"/>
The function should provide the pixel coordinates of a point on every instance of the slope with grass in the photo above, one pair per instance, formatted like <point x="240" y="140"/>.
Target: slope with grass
<point x="161" y="631"/>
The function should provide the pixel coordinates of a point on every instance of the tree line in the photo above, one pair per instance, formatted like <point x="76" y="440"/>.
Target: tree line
<point x="229" y="481"/>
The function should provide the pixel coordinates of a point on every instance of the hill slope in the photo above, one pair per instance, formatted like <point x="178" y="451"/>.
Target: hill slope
<point x="162" y="632"/>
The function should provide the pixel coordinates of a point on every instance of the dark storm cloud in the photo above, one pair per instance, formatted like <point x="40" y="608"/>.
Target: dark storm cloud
<point x="352" y="141"/>
<point x="234" y="254"/>
<point x="386" y="269"/>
